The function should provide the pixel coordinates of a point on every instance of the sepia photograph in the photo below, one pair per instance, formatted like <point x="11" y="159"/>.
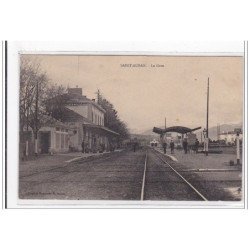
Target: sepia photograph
<point x="131" y="127"/>
<point x="124" y="125"/>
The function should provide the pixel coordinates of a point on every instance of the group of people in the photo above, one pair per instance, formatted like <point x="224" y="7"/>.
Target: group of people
<point x="185" y="145"/>
<point x="171" y="147"/>
<point x="101" y="148"/>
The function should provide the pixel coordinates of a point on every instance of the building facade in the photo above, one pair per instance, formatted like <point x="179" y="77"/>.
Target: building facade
<point x="85" y="118"/>
<point x="53" y="140"/>
<point x="230" y="136"/>
<point x="53" y="137"/>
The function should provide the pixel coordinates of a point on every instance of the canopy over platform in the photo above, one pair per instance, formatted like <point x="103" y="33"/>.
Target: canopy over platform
<point x="102" y="129"/>
<point x="177" y="129"/>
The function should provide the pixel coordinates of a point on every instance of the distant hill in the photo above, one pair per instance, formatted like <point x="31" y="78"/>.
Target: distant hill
<point x="149" y="132"/>
<point x="212" y="130"/>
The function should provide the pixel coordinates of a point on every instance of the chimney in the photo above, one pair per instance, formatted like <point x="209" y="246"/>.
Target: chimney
<point x="75" y="91"/>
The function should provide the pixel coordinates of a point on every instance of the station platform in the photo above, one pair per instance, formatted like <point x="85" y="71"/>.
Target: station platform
<point x="201" y="161"/>
<point x="47" y="161"/>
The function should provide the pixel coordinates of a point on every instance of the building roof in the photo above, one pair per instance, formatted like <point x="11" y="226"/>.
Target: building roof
<point x="49" y="121"/>
<point x="73" y="99"/>
<point x="69" y="115"/>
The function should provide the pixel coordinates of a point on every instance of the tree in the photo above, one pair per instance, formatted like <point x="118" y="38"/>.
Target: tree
<point x="112" y="120"/>
<point x="33" y="82"/>
<point x="56" y="98"/>
<point x="27" y="90"/>
<point x="35" y="90"/>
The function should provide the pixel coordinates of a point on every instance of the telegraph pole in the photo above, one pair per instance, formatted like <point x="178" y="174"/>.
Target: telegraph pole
<point x="207" y="139"/>
<point x="207" y="103"/>
<point x="36" y="119"/>
<point x="27" y="129"/>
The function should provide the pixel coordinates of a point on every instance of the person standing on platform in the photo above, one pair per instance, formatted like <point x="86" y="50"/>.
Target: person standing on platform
<point x="165" y="147"/>
<point x="172" y="146"/>
<point x="185" y="145"/>
<point x="197" y="143"/>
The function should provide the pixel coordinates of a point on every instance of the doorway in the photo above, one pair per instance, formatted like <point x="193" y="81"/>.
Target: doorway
<point x="45" y="142"/>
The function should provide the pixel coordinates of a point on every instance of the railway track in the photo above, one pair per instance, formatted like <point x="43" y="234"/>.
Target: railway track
<point x="144" y="176"/>
<point x="141" y="175"/>
<point x="155" y="178"/>
<point x="113" y="177"/>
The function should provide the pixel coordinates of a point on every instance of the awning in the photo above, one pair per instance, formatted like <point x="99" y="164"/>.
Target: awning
<point x="99" y="128"/>
<point x="177" y="129"/>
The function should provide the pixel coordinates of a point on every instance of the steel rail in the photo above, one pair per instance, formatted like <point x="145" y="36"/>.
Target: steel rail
<point x="187" y="182"/>
<point x="144" y="176"/>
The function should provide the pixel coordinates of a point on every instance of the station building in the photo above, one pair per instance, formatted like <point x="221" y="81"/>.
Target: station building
<point x="80" y="123"/>
<point x="85" y="119"/>
<point x="230" y="136"/>
<point x="53" y="137"/>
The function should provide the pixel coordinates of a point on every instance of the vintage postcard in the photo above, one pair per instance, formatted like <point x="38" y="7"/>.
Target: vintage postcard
<point x="146" y="128"/>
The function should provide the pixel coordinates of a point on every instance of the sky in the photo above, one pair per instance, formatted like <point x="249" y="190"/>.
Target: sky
<point x="144" y="95"/>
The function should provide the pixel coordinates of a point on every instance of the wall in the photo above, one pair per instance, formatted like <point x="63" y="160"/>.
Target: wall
<point x="90" y="112"/>
<point x="75" y="135"/>
<point x="97" y="116"/>
<point x="59" y="140"/>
